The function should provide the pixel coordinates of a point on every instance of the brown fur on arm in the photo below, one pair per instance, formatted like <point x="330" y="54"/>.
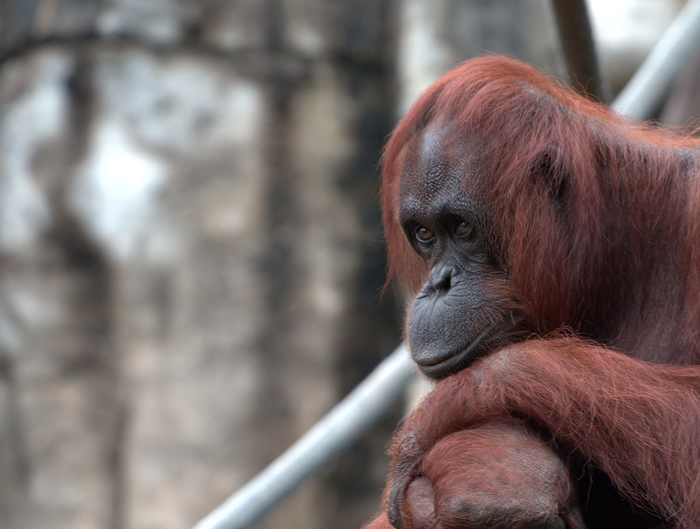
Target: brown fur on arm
<point x="637" y="422"/>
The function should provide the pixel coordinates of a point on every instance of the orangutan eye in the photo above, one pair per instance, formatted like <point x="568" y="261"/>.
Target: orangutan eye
<point x="462" y="229"/>
<point x="424" y="235"/>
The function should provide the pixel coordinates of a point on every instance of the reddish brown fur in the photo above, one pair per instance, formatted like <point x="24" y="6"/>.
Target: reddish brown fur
<point x="513" y="476"/>
<point x="620" y="267"/>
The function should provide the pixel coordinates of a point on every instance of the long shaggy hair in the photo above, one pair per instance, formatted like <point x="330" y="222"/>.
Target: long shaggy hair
<point x="619" y="257"/>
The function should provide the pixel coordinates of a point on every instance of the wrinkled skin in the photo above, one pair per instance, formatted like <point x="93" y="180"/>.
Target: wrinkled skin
<point x="465" y="309"/>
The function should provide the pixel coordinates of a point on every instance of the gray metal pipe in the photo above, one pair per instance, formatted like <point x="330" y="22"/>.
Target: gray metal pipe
<point x="645" y="91"/>
<point x="576" y="39"/>
<point x="334" y="433"/>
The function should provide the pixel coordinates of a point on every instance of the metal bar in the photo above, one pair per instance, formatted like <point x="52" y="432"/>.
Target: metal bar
<point x="576" y="38"/>
<point x="644" y="92"/>
<point x="335" y="432"/>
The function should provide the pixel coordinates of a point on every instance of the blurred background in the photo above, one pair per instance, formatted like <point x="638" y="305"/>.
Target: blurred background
<point x="191" y="254"/>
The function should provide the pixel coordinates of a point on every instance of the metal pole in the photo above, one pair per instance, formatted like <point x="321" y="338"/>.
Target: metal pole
<point x="645" y="91"/>
<point x="576" y="38"/>
<point x="335" y="432"/>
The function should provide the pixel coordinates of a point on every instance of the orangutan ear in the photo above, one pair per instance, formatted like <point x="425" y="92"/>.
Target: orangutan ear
<point x="551" y="172"/>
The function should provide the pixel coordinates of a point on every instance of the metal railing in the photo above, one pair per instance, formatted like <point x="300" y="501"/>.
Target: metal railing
<point x="332" y="435"/>
<point x="371" y="400"/>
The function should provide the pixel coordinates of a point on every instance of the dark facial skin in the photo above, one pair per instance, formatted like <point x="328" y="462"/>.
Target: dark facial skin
<point x="466" y="308"/>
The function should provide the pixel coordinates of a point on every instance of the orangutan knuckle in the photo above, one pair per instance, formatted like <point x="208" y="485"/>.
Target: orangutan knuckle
<point x="408" y="447"/>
